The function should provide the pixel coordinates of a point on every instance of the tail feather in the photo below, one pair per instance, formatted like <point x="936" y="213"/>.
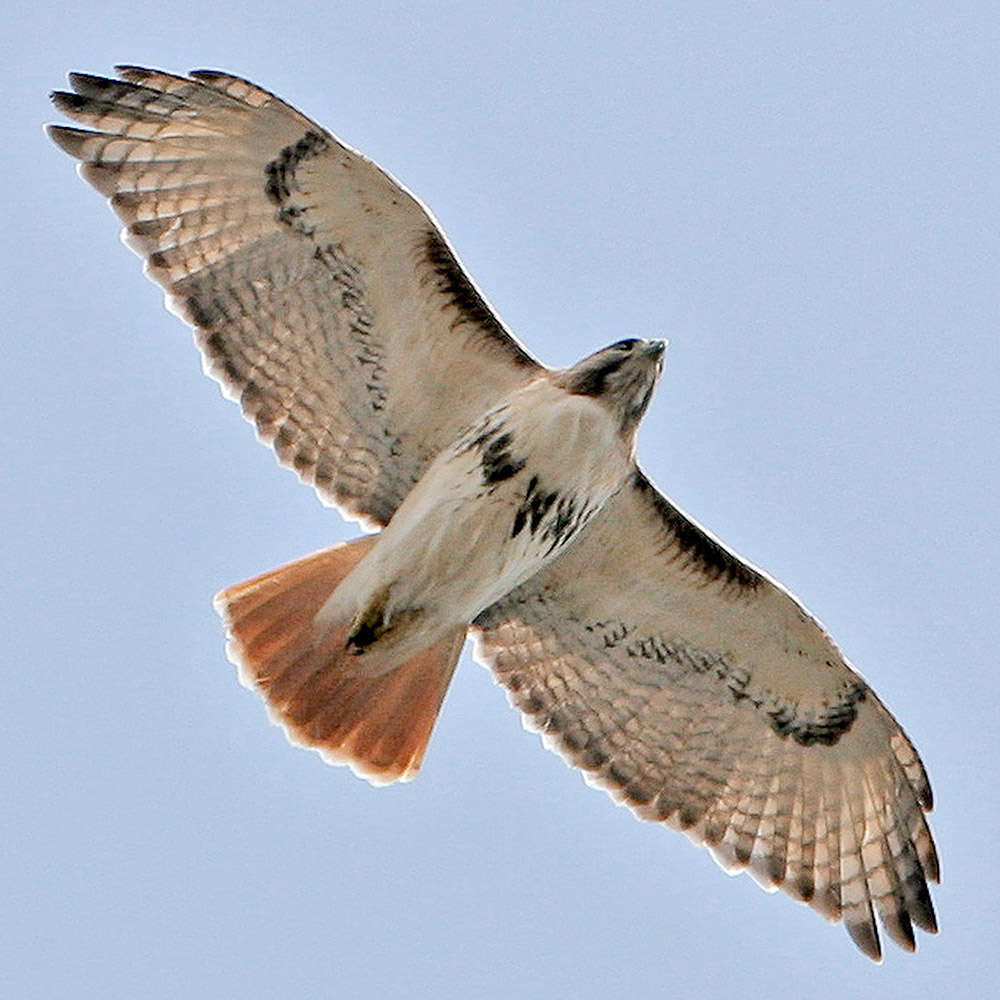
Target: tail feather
<point x="378" y="722"/>
<point x="381" y="725"/>
<point x="295" y="591"/>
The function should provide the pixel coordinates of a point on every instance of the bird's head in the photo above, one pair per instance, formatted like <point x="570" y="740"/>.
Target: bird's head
<point x="621" y="376"/>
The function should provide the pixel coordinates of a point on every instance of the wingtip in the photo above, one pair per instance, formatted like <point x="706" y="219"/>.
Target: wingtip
<point x="926" y="796"/>
<point x="127" y="70"/>
<point x="922" y="911"/>
<point x="66" y="101"/>
<point x="87" y="81"/>
<point x="899" y="927"/>
<point x="210" y="74"/>
<point x="865" y="936"/>
<point x="70" y="140"/>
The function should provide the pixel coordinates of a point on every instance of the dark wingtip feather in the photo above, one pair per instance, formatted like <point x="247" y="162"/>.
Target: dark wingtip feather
<point x="922" y="910"/>
<point x="900" y="929"/>
<point x="865" y="936"/>
<point x="69" y="140"/>
<point x="68" y="102"/>
<point x="210" y="74"/>
<point x="90" y="85"/>
<point x="137" y="74"/>
<point x="925" y="795"/>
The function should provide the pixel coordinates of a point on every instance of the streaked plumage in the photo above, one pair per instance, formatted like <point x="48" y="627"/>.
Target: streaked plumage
<point x="685" y="682"/>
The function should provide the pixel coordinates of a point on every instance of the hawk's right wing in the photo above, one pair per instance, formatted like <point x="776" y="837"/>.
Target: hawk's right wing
<point x="701" y="693"/>
<point x="323" y="295"/>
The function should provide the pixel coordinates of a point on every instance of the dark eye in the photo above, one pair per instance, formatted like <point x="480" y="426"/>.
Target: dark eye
<point x="625" y="345"/>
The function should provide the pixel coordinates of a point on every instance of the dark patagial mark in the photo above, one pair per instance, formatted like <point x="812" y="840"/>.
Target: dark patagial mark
<point x="713" y="560"/>
<point x="455" y="285"/>
<point x="280" y="178"/>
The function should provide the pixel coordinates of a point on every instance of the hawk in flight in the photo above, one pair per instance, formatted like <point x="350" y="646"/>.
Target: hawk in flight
<point x="685" y="682"/>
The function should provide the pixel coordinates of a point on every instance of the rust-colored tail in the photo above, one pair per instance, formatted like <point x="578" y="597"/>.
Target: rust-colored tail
<point x="378" y="723"/>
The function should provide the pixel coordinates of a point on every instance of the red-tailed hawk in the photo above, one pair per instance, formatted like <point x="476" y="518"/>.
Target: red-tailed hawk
<point x="683" y="681"/>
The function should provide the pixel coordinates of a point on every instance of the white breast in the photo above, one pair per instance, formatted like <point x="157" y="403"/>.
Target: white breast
<point x="506" y="498"/>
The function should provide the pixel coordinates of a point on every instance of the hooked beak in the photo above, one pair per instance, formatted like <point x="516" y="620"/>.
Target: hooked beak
<point x="655" y="349"/>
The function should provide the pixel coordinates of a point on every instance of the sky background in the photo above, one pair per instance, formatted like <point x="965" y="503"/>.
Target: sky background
<point x="803" y="197"/>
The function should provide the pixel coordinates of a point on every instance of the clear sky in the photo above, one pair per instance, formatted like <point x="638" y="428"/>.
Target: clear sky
<point x="802" y="197"/>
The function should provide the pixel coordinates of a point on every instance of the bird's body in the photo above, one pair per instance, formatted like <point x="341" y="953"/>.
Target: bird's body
<point x="679" y="678"/>
<point x="491" y="510"/>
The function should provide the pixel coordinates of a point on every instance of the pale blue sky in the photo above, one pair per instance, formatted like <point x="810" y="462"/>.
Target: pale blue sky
<point x="803" y="197"/>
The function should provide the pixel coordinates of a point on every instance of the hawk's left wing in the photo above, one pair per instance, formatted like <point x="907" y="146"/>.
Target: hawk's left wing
<point x="699" y="692"/>
<point x="324" y="297"/>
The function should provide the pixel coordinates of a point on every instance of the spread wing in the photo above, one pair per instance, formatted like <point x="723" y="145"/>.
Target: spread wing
<point x="700" y="693"/>
<point x="324" y="297"/>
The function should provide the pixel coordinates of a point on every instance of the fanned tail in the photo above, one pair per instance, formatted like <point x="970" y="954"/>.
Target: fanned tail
<point x="377" y="722"/>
